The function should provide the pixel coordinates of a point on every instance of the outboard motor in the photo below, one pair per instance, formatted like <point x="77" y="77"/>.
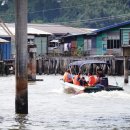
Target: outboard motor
<point x="104" y="81"/>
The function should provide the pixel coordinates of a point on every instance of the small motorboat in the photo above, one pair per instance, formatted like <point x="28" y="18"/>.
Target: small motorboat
<point x="104" y="85"/>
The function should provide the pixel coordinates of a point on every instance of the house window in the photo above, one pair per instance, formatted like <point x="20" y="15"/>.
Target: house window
<point x="113" y="41"/>
<point x="113" y="44"/>
<point x="51" y="44"/>
<point x="30" y="41"/>
<point x="87" y="44"/>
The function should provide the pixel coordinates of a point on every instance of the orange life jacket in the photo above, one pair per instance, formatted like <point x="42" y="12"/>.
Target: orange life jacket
<point x="91" y="80"/>
<point x="75" y="80"/>
<point x="66" y="77"/>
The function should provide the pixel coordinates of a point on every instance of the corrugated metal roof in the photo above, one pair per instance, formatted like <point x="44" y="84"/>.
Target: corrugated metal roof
<point x="80" y="63"/>
<point x="37" y="31"/>
<point x="61" y="29"/>
<point x="2" y="32"/>
<point x="3" y="41"/>
<point x="54" y="29"/>
<point x="112" y="26"/>
<point x="30" y="30"/>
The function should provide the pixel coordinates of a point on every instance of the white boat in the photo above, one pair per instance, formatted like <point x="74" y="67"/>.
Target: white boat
<point x="71" y="88"/>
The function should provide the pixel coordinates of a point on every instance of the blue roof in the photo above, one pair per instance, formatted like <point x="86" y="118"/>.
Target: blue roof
<point x="111" y="26"/>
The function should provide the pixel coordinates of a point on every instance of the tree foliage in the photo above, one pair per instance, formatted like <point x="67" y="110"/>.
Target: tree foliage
<point x="82" y="13"/>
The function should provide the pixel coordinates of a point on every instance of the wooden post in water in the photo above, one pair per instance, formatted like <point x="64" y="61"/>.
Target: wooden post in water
<point x="40" y="65"/>
<point x="21" y="99"/>
<point x="125" y="69"/>
<point x="32" y="62"/>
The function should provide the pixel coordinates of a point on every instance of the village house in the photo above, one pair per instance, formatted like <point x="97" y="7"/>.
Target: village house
<point x="105" y="43"/>
<point x="56" y="44"/>
<point x="36" y="37"/>
<point x="58" y="40"/>
<point x="109" y="41"/>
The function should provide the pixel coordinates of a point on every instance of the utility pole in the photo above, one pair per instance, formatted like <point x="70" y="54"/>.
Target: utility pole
<point x="21" y="98"/>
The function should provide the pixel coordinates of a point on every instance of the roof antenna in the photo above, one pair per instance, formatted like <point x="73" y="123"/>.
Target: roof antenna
<point x="4" y="2"/>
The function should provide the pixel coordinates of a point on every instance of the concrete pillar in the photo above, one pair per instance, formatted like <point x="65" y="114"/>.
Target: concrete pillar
<point x="125" y="69"/>
<point x="21" y="99"/>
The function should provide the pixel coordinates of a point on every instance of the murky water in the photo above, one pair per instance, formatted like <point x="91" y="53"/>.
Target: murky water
<point x="51" y="109"/>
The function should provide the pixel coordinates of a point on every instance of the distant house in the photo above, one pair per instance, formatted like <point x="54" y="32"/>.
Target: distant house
<point x="74" y="44"/>
<point x="63" y="36"/>
<point x="40" y="38"/>
<point x="105" y="42"/>
<point x="35" y="36"/>
<point x="108" y="40"/>
<point x="77" y="44"/>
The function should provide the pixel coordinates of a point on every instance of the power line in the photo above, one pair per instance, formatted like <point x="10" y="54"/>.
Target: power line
<point x="98" y="19"/>
<point x="45" y="10"/>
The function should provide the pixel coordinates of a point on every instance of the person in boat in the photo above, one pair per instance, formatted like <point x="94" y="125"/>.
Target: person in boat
<point x="68" y="77"/>
<point x="83" y="82"/>
<point x="101" y="80"/>
<point x="76" y="79"/>
<point x="91" y="79"/>
<point x="99" y="72"/>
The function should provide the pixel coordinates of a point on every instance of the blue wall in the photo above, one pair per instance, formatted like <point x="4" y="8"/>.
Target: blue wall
<point x="5" y="50"/>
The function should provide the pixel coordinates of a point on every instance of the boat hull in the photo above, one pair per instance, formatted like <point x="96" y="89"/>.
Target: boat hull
<point x="71" y="88"/>
<point x="108" y="88"/>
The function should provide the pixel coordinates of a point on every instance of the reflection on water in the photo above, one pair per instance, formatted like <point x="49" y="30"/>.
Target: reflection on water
<point x="51" y="109"/>
<point x="21" y="120"/>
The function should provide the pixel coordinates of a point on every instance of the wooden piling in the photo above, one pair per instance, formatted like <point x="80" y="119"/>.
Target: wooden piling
<point x="40" y="65"/>
<point x="56" y="65"/>
<point x="32" y="62"/>
<point x="113" y="67"/>
<point x="21" y="99"/>
<point x="125" y="69"/>
<point x="49" y="61"/>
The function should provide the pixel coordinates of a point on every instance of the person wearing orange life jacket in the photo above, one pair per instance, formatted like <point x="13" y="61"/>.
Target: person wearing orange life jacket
<point x="76" y="79"/>
<point x="67" y="77"/>
<point x="91" y="79"/>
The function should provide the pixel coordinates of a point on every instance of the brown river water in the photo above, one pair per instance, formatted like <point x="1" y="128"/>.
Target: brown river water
<point x="52" y="109"/>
